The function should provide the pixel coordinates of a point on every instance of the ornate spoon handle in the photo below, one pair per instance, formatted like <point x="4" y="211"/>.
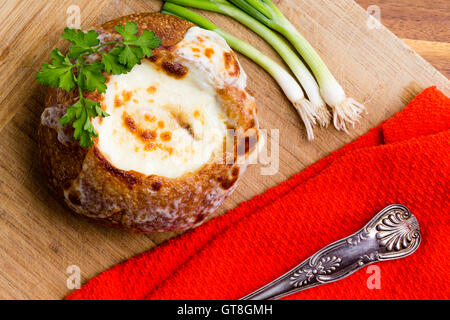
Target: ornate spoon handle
<point x="393" y="233"/>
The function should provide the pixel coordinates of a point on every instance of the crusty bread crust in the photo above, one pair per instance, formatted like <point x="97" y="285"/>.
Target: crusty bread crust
<point x="94" y="188"/>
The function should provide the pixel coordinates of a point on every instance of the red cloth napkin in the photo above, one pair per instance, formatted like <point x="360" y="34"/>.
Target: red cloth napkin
<point x="404" y="160"/>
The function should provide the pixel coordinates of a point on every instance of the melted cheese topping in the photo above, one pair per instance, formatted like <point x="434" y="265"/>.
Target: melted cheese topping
<point x="159" y="124"/>
<point x="208" y="52"/>
<point x="167" y="125"/>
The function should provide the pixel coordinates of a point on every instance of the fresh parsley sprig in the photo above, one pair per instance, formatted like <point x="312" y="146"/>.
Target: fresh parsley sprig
<point x="72" y="70"/>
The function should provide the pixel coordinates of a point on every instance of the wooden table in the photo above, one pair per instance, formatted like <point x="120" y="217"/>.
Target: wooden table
<point x="422" y="24"/>
<point x="39" y="238"/>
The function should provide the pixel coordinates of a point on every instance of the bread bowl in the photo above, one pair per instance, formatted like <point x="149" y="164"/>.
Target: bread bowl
<point x="162" y="160"/>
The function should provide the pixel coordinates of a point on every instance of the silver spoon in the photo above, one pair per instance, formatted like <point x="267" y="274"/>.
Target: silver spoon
<point x="393" y="233"/>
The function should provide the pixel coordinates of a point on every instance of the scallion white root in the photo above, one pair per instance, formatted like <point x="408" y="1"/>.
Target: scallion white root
<point x="345" y="110"/>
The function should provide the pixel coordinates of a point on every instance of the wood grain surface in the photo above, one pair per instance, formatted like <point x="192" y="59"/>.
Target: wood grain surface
<point x="423" y="25"/>
<point x="40" y="238"/>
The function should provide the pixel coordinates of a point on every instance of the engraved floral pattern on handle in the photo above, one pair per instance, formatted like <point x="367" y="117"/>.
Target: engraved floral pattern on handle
<point x="325" y="265"/>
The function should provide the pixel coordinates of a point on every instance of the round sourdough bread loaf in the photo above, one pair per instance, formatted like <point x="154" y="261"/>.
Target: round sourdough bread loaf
<point x="181" y="129"/>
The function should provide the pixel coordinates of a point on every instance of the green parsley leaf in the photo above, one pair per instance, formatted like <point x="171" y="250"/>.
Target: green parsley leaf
<point x="94" y="109"/>
<point x="67" y="81"/>
<point x="58" y="73"/>
<point x="81" y="39"/>
<point x="72" y="70"/>
<point x="129" y="32"/>
<point x="86" y="140"/>
<point x="71" y="113"/>
<point x="128" y="57"/>
<point x="112" y="64"/>
<point x="92" y="77"/>
<point x="147" y="41"/>
<point x="79" y="123"/>
<point x="81" y="42"/>
<point x="141" y="46"/>
<point x="80" y="114"/>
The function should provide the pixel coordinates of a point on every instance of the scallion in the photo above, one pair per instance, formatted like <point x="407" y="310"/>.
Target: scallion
<point x="287" y="83"/>
<point x="318" y="110"/>
<point x="345" y="109"/>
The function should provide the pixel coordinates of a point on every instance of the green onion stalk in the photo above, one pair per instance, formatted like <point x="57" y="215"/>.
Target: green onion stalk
<point x="345" y="109"/>
<point x="318" y="110"/>
<point x="288" y="84"/>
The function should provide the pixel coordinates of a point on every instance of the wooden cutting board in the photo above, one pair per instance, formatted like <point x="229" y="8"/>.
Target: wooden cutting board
<point x="39" y="238"/>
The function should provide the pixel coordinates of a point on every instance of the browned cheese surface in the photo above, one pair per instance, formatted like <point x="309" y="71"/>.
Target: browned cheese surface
<point x="40" y="238"/>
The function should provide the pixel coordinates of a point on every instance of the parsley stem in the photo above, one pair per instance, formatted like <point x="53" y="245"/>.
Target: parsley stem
<point x="80" y="67"/>
<point x="105" y="44"/>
